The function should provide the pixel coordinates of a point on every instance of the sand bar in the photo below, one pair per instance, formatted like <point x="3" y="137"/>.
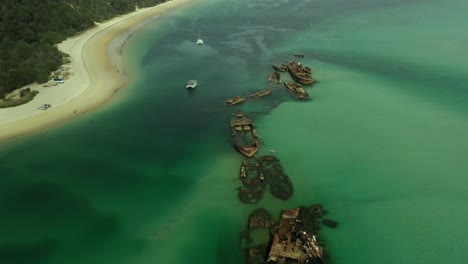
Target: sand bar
<point x="96" y="74"/>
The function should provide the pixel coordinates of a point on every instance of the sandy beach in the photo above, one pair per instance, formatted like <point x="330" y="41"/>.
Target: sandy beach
<point x="96" y="74"/>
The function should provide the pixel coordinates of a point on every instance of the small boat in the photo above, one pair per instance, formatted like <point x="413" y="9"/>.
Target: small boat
<point x="199" y="40"/>
<point x="299" y="55"/>
<point x="235" y="100"/>
<point x="296" y="89"/>
<point x="191" y="84"/>
<point x="272" y="150"/>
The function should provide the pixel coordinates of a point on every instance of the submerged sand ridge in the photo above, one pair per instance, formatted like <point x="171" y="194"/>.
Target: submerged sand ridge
<point x="96" y="74"/>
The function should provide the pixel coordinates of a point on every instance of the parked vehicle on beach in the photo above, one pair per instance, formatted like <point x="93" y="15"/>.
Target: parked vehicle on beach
<point x="58" y="80"/>
<point x="44" y="107"/>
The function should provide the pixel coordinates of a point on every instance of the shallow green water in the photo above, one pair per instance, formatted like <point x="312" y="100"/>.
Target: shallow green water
<point x="152" y="178"/>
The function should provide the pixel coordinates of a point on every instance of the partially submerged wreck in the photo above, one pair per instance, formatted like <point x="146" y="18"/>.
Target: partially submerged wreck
<point x="274" y="77"/>
<point x="281" y="68"/>
<point x="299" y="73"/>
<point x="294" y="240"/>
<point x="262" y="93"/>
<point x="244" y="135"/>
<point x="297" y="90"/>
<point x="256" y="174"/>
<point x="260" y="219"/>
<point x="235" y="100"/>
<point x="253" y="182"/>
<point x="280" y="184"/>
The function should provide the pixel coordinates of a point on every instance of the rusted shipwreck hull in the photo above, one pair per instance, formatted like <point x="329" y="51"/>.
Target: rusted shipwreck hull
<point x="255" y="174"/>
<point x="294" y="240"/>
<point x="273" y="173"/>
<point x="281" y="68"/>
<point x="262" y="93"/>
<point x="253" y="184"/>
<point x="244" y="135"/>
<point x="296" y="89"/>
<point x="274" y="77"/>
<point x="300" y="73"/>
<point x="235" y="100"/>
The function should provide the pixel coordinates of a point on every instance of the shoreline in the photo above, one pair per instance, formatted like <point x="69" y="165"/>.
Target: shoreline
<point x="97" y="74"/>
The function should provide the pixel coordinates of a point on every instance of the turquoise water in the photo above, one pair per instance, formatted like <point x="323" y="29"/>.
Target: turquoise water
<point x="152" y="178"/>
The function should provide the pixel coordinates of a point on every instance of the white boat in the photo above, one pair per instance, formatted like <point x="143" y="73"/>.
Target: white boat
<point x="199" y="40"/>
<point x="191" y="84"/>
<point x="272" y="151"/>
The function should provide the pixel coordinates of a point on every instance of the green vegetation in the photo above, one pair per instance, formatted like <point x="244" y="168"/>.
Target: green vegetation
<point x="29" y="30"/>
<point x="24" y="96"/>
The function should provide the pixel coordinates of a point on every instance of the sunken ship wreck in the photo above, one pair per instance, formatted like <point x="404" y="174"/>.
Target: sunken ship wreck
<point x="262" y="93"/>
<point x="256" y="174"/>
<point x="297" y="71"/>
<point x="235" y="100"/>
<point x="244" y="135"/>
<point x="297" y="90"/>
<point x="294" y="240"/>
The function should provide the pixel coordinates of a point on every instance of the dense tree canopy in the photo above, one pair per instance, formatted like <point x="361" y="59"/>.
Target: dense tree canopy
<point x="29" y="30"/>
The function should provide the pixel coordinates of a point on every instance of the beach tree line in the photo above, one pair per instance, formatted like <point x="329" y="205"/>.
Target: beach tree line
<point x="30" y="30"/>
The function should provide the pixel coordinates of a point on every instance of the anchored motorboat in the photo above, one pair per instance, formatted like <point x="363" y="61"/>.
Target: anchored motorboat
<point x="199" y="40"/>
<point x="191" y="84"/>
